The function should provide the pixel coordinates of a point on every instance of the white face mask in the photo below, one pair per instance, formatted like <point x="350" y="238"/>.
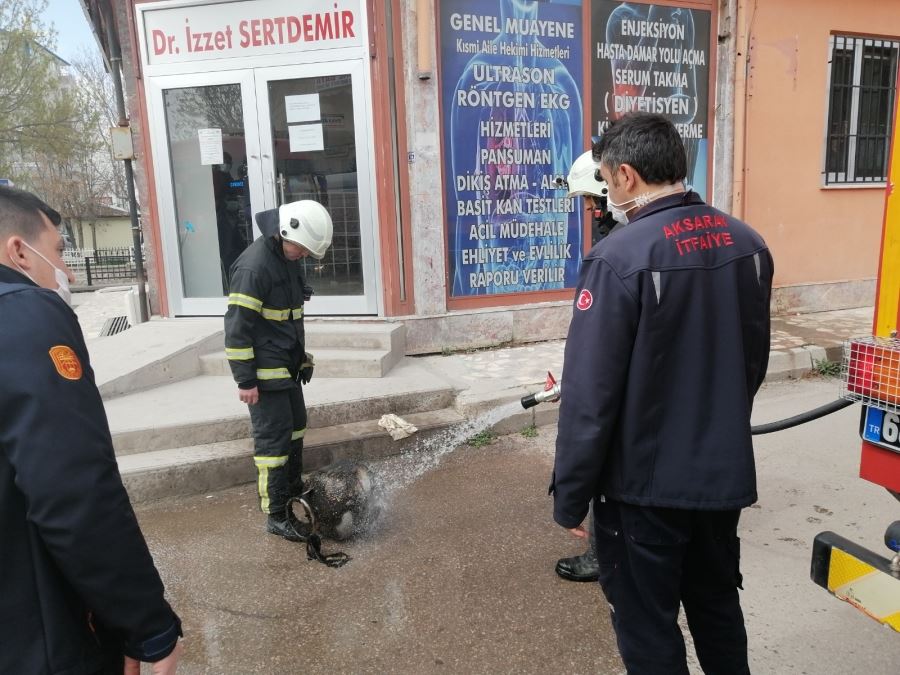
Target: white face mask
<point x="619" y="212"/>
<point x="62" y="281"/>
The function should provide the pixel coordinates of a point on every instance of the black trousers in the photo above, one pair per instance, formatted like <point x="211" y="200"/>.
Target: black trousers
<point x="279" y="424"/>
<point x="652" y="560"/>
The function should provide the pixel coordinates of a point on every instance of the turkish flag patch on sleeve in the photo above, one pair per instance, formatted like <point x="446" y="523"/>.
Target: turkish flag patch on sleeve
<point x="585" y="300"/>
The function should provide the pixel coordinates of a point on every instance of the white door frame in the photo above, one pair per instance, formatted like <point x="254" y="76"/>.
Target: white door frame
<point x="179" y="305"/>
<point x="367" y="303"/>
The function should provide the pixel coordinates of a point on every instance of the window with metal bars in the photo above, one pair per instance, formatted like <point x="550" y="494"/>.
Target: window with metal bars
<point x="860" y="109"/>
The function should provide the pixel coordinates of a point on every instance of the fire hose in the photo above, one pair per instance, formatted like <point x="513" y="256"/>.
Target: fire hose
<point x="552" y="391"/>
<point x="313" y="539"/>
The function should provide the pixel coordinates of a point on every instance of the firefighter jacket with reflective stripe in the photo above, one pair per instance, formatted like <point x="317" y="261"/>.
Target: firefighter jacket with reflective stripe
<point x="264" y="339"/>
<point x="70" y="545"/>
<point x="668" y="344"/>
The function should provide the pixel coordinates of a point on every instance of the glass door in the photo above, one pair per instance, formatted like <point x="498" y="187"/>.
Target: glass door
<point x="209" y="180"/>
<point x="314" y="144"/>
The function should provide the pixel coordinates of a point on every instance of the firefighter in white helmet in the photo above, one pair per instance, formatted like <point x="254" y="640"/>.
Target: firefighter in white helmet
<point x="584" y="180"/>
<point x="265" y="346"/>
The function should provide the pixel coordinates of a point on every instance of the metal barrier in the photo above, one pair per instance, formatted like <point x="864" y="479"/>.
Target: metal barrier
<point x="93" y="267"/>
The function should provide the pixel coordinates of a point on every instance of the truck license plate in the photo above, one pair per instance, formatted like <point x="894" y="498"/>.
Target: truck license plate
<point x="882" y="429"/>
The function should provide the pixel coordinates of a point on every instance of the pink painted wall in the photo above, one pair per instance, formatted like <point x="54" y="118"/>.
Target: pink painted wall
<point x="816" y="234"/>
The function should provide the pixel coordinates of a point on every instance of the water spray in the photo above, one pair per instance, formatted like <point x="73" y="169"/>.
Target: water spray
<point x="551" y="392"/>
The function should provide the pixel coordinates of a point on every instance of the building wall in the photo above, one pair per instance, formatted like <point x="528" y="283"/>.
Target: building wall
<point x="825" y="241"/>
<point x="424" y="143"/>
<point x="110" y="233"/>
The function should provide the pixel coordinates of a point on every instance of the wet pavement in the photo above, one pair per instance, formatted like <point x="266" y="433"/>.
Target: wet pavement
<point x="458" y="579"/>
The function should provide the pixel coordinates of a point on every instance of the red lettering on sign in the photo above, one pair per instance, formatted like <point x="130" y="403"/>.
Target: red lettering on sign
<point x="347" y="26"/>
<point x="324" y="29"/>
<point x="266" y="32"/>
<point x="279" y="23"/>
<point x="268" y="29"/>
<point x="293" y="29"/>
<point x="159" y="42"/>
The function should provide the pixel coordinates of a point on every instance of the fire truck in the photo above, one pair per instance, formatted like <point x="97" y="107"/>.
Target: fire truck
<point x="870" y="375"/>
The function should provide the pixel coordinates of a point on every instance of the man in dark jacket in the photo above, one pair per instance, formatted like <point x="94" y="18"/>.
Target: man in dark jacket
<point x="265" y="346"/>
<point x="78" y="589"/>
<point x="667" y="347"/>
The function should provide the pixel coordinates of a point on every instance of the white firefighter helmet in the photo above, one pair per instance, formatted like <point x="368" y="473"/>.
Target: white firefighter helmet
<point x="584" y="177"/>
<point x="308" y="224"/>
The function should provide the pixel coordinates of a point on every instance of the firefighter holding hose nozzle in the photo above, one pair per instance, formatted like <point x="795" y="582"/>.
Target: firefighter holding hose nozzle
<point x="668" y="345"/>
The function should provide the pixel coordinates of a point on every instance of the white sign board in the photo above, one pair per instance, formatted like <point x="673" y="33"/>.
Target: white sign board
<point x="302" y="108"/>
<point x="249" y="28"/>
<point x="306" y="138"/>
<point x="210" y="146"/>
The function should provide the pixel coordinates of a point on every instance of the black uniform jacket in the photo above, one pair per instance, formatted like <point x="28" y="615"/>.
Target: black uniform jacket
<point x="668" y="344"/>
<point x="264" y="339"/>
<point x="71" y="553"/>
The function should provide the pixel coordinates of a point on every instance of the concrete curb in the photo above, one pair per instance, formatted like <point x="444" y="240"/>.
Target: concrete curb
<point x="796" y="362"/>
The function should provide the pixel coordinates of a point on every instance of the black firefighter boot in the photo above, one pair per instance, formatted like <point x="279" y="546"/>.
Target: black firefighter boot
<point x="285" y="524"/>
<point x="582" y="567"/>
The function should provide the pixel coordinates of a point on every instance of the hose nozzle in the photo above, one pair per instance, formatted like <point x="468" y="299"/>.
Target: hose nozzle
<point x="551" y="392"/>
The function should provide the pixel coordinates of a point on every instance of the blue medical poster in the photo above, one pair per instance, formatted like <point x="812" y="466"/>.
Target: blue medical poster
<point x="511" y="81"/>
<point x="654" y="58"/>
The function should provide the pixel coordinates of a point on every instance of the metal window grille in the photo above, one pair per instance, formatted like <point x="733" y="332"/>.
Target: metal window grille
<point x="340" y="272"/>
<point x="860" y="109"/>
<point x="870" y="372"/>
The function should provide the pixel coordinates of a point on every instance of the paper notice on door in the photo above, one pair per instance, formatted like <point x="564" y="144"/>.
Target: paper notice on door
<point x="302" y="108"/>
<point x="210" y="146"/>
<point x="306" y="138"/>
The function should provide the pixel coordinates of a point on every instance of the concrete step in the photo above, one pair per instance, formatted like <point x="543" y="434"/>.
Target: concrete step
<point x="329" y="362"/>
<point x="194" y="470"/>
<point x="162" y="351"/>
<point x="152" y="354"/>
<point x="205" y="410"/>
<point x="341" y="349"/>
<point x="329" y="334"/>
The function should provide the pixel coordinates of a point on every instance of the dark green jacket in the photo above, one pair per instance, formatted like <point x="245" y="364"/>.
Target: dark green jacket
<point x="264" y="339"/>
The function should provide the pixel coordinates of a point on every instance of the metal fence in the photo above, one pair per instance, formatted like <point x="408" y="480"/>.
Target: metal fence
<point x="93" y="267"/>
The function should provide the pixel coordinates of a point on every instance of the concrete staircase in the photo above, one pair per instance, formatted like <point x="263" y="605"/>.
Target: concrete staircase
<point x="178" y="426"/>
<point x="193" y="436"/>
<point x="340" y="349"/>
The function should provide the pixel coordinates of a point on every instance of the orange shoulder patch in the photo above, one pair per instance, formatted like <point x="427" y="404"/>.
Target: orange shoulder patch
<point x="66" y="362"/>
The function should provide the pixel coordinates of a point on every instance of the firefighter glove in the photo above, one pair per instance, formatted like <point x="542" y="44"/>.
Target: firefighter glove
<point x="306" y="370"/>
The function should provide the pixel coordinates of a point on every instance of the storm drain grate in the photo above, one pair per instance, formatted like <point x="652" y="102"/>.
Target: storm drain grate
<point x="114" y="325"/>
